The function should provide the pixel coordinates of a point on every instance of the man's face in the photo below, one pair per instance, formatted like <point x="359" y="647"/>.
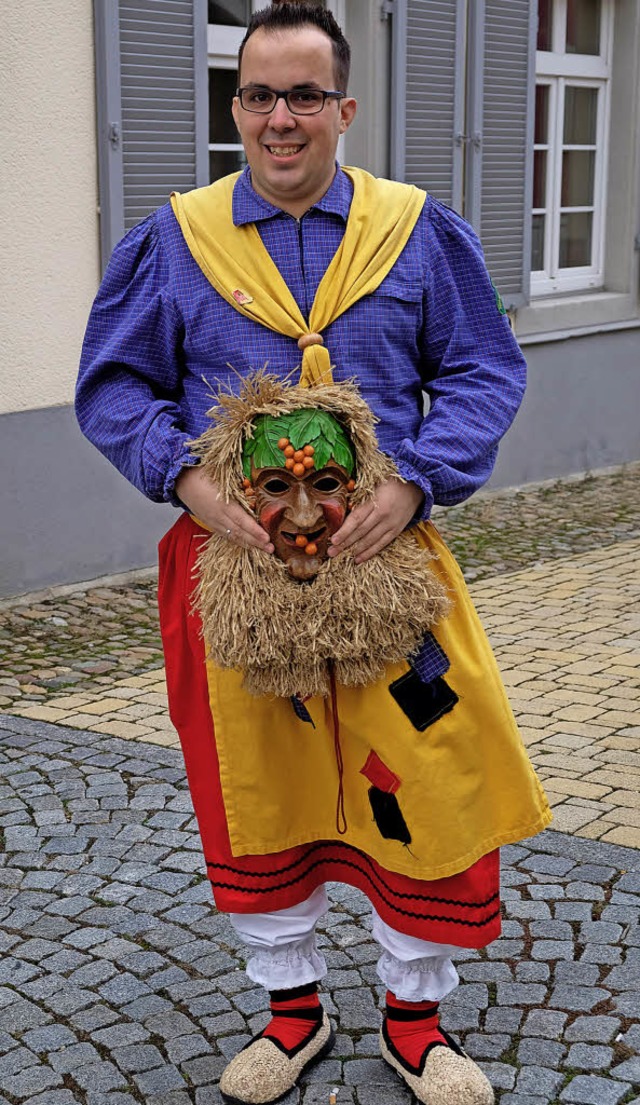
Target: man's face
<point x="301" y="513"/>
<point x="292" y="157"/>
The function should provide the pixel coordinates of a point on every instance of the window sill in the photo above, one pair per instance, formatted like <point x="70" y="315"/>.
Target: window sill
<point x="559" y="317"/>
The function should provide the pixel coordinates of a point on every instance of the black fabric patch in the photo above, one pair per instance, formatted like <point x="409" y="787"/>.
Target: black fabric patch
<point x="301" y="710"/>
<point x="388" y="817"/>
<point x="423" y="703"/>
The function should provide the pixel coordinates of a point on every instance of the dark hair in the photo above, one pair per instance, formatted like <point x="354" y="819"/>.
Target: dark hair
<point x="288" y="15"/>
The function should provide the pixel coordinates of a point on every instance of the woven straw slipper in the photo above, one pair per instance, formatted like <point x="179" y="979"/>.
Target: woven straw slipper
<point x="263" y="1072"/>
<point x="446" y="1076"/>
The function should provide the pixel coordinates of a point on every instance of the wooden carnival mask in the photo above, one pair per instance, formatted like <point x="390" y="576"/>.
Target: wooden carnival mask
<point x="298" y="476"/>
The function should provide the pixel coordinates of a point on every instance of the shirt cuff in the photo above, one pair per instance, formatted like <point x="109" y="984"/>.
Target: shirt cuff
<point x="408" y="472"/>
<point x="184" y="459"/>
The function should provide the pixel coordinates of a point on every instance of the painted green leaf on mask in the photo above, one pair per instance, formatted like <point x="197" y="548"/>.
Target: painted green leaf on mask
<point x="322" y="452"/>
<point x="301" y="427"/>
<point x="305" y="428"/>
<point x="343" y="455"/>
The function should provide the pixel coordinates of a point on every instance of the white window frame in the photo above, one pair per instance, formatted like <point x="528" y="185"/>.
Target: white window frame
<point x="557" y="70"/>
<point x="223" y="44"/>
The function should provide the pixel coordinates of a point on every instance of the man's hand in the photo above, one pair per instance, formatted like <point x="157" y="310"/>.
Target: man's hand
<point x="203" y="499"/>
<point x="373" y="525"/>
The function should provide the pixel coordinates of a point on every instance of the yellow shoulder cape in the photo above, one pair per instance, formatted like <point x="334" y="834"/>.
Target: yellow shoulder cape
<point x="382" y="216"/>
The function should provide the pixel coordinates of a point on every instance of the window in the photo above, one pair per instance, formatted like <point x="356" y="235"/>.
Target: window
<point x="227" y="24"/>
<point x="572" y="105"/>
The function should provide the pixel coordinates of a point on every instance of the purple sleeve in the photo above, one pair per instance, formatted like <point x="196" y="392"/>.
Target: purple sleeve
<point x="130" y="381"/>
<point x="473" y="371"/>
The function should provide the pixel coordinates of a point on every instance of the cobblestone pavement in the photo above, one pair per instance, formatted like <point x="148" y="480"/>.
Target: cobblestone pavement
<point x="503" y="531"/>
<point x="119" y="983"/>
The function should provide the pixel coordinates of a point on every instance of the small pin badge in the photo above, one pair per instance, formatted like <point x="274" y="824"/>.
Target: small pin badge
<point x="241" y="297"/>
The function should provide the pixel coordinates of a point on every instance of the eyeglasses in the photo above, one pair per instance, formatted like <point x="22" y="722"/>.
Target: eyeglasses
<point x="300" y="101"/>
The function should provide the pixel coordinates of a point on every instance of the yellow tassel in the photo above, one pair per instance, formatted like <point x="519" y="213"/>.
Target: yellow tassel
<point x="316" y="366"/>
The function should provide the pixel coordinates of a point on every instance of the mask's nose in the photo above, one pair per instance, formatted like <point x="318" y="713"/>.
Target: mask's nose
<point x="305" y="514"/>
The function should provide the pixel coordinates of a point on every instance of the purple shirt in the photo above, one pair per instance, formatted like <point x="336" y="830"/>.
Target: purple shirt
<point x="158" y="330"/>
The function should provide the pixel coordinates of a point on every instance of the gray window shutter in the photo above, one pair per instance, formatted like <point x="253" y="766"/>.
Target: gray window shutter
<point x="152" y="106"/>
<point x="507" y="145"/>
<point x="463" y="76"/>
<point x="428" y="96"/>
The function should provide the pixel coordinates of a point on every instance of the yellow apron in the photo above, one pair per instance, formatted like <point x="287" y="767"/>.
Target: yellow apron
<point x="466" y="783"/>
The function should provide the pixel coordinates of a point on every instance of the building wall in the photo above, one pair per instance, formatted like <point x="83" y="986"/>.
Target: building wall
<point x="67" y="514"/>
<point x="49" y="227"/>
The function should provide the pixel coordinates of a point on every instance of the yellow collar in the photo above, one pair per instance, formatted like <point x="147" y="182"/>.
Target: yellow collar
<point x="233" y="258"/>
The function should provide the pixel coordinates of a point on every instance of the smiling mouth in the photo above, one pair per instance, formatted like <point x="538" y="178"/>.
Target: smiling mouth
<point x="284" y="151"/>
<point x="314" y="536"/>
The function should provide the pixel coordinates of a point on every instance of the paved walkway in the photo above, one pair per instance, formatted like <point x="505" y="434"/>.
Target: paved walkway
<point x="120" y="983"/>
<point x="567" y="637"/>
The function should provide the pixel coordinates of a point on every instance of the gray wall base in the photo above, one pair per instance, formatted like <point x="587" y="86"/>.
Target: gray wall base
<point x="580" y="411"/>
<point x="67" y="515"/>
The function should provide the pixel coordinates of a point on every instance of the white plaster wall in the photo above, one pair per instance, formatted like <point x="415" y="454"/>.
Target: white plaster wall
<point x="48" y="206"/>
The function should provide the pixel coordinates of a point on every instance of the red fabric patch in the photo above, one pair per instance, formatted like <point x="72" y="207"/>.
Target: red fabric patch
<point x="379" y="774"/>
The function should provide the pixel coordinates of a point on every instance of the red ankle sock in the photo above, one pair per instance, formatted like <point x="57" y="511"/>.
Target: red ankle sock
<point x="412" y="1026"/>
<point x="296" y="1013"/>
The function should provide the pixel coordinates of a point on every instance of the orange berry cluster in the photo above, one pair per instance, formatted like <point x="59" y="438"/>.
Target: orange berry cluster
<point x="309" y="547"/>
<point x="298" y="461"/>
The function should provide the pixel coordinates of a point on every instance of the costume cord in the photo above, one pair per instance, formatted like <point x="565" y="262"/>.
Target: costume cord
<point x="341" y="820"/>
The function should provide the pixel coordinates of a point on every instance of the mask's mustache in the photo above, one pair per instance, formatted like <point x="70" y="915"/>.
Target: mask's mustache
<point x="312" y="536"/>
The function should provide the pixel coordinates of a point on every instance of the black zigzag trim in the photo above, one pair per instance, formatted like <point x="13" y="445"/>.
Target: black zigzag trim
<point x="348" y="848"/>
<point x="292" y="1051"/>
<point x="419" y="914"/>
<point x="295" y="992"/>
<point x="372" y="874"/>
<point x="419" y="1069"/>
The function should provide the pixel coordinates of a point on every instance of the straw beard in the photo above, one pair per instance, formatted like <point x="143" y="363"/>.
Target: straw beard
<point x="283" y="635"/>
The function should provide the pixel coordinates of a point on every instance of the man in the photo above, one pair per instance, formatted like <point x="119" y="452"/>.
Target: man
<point x="164" y="319"/>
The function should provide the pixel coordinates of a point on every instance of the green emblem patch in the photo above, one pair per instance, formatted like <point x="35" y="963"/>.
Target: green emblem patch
<point x="499" y="301"/>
